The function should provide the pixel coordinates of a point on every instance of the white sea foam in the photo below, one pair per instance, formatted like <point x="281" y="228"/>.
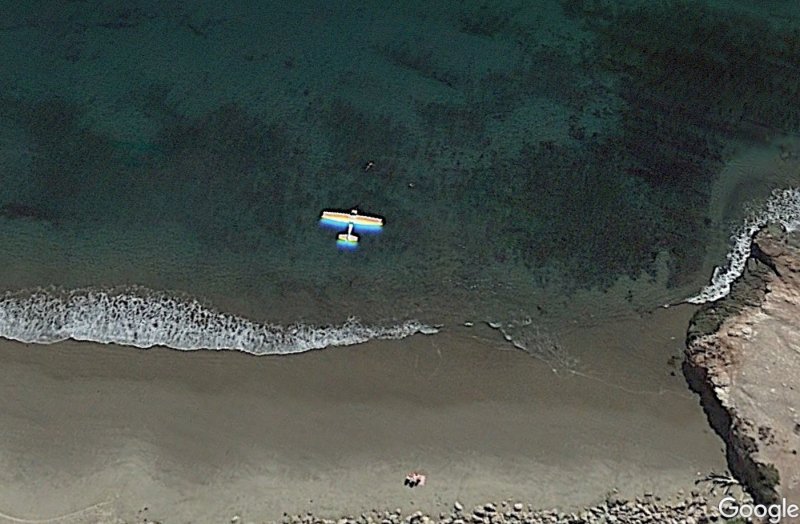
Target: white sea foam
<point x="783" y="207"/>
<point x="145" y="319"/>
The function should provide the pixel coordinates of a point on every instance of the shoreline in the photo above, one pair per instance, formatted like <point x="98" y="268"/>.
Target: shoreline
<point x="202" y="436"/>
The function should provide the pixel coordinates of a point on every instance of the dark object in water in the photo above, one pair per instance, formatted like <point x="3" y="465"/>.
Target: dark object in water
<point x="16" y="211"/>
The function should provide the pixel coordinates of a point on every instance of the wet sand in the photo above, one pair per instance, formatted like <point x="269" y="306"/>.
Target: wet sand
<point x="203" y="436"/>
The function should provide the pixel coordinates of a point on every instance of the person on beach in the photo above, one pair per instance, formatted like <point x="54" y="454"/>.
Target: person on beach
<point x="414" y="479"/>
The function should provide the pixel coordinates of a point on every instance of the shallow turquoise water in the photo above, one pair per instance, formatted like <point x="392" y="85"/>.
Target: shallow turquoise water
<point x="517" y="148"/>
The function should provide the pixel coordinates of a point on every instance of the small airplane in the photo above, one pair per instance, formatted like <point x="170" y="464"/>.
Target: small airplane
<point x="354" y="221"/>
<point x="340" y="217"/>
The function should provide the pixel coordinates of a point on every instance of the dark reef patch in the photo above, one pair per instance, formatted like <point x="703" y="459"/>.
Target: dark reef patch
<point x="459" y="124"/>
<point x="539" y="72"/>
<point x="16" y="211"/>
<point x="567" y="196"/>
<point x="690" y="77"/>
<point x="356" y="136"/>
<point x="225" y="176"/>
<point x="222" y="175"/>
<point x="421" y="61"/>
<point x="70" y="164"/>
<point x="724" y="71"/>
<point x="653" y="97"/>
<point x="485" y="23"/>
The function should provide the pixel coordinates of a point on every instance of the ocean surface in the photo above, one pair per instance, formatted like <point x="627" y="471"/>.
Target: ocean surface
<point x="164" y="165"/>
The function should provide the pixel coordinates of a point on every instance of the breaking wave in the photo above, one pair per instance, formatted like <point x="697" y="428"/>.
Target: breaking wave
<point x="144" y="319"/>
<point x="782" y="207"/>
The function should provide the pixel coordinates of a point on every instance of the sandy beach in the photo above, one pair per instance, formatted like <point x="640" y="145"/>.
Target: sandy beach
<point x="202" y="436"/>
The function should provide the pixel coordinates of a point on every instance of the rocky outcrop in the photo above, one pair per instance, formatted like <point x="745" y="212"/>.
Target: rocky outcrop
<point x="643" y="510"/>
<point x="743" y="360"/>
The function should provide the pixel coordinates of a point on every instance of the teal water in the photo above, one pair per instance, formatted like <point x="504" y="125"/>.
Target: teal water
<point x="523" y="152"/>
